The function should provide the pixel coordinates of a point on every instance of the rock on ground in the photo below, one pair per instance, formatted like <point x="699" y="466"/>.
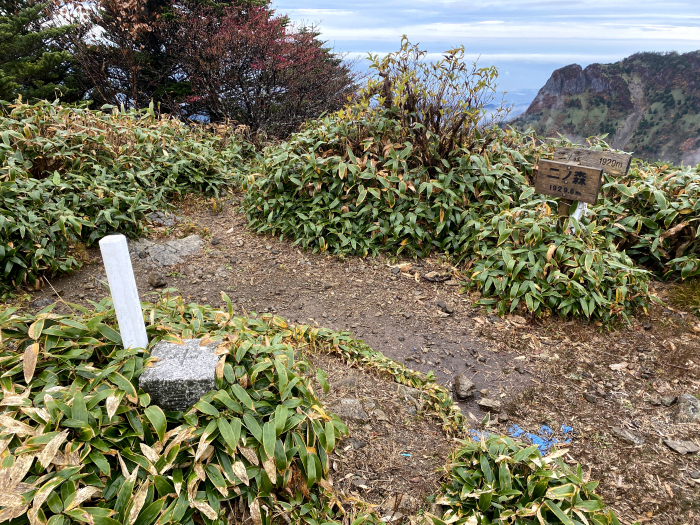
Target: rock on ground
<point x="628" y="436"/>
<point x="489" y="405"/>
<point x="682" y="447"/>
<point x="688" y="410"/>
<point x="464" y="387"/>
<point x="351" y="410"/>
<point x="182" y="374"/>
<point x="401" y="503"/>
<point x="169" y="253"/>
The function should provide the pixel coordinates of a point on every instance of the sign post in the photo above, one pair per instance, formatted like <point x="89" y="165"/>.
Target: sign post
<point x="577" y="174"/>
<point x="125" y="295"/>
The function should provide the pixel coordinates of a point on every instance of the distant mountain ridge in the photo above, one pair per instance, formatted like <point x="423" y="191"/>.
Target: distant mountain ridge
<point x="648" y="103"/>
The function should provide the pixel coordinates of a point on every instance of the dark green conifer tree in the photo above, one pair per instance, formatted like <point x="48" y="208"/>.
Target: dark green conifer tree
<point x="32" y="63"/>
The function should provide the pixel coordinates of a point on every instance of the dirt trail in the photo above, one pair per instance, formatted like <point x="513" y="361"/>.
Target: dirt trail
<point x="388" y="309"/>
<point x="624" y="134"/>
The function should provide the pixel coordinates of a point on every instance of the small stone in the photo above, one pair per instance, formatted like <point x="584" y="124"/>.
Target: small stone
<point x="402" y="339"/>
<point x="401" y="503"/>
<point x="667" y="401"/>
<point x="351" y="410"/>
<point x="682" y="447"/>
<point x="41" y="303"/>
<point x="520" y="370"/>
<point x="628" y="436"/>
<point x="407" y="391"/>
<point x="489" y="405"/>
<point x="448" y="309"/>
<point x="647" y="325"/>
<point x="357" y="444"/>
<point x="484" y="392"/>
<point x="688" y="409"/>
<point x="464" y="388"/>
<point x="215" y="241"/>
<point x="359" y="483"/>
<point x="156" y="280"/>
<point x="482" y="359"/>
<point x="502" y="417"/>
<point x="407" y="315"/>
<point x="379" y="414"/>
<point x="452" y="282"/>
<point x="695" y="474"/>
<point x="591" y="398"/>
<point x="395" y="270"/>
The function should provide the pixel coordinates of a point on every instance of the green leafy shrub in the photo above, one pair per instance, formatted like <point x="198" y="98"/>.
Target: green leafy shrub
<point x="500" y="481"/>
<point x="83" y="443"/>
<point x="439" y="105"/>
<point x="520" y="256"/>
<point x="655" y="211"/>
<point x="70" y="175"/>
<point x="477" y="205"/>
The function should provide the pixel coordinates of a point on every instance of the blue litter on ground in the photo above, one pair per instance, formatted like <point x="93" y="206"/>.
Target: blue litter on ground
<point x="478" y="434"/>
<point x="543" y="439"/>
<point x="406" y="455"/>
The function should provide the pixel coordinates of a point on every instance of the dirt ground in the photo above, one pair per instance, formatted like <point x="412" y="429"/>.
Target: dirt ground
<point x="544" y="372"/>
<point x="397" y="453"/>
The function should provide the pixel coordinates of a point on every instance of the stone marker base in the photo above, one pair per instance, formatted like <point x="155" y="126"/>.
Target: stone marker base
<point x="182" y="376"/>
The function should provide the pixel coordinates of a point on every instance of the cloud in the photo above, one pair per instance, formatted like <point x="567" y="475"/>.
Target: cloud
<point x="488" y="58"/>
<point x="470" y="31"/>
<point x="528" y="38"/>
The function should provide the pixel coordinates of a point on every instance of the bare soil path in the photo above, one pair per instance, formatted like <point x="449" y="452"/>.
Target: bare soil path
<point x="381" y="305"/>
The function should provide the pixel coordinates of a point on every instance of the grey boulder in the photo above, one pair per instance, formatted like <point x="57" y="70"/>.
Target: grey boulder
<point x="182" y="374"/>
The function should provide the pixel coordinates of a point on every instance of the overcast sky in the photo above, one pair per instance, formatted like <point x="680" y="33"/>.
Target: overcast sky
<point x="526" y="39"/>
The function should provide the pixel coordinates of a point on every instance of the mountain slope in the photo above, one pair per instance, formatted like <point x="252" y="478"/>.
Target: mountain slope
<point x="648" y="103"/>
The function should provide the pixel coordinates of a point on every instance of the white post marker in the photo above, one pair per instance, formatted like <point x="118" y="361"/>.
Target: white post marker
<point x="125" y="295"/>
<point x="579" y="212"/>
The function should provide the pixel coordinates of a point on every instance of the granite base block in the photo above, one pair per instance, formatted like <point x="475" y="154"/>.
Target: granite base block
<point x="183" y="374"/>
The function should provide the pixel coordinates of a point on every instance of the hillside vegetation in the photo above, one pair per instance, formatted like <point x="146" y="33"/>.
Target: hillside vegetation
<point x="69" y="176"/>
<point x="387" y="173"/>
<point x="648" y="103"/>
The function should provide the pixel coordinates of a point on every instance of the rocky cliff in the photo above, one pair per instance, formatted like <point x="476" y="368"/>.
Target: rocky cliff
<point x="648" y="103"/>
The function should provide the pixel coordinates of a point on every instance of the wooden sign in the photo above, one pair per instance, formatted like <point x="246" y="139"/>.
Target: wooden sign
<point x="610" y="163"/>
<point x="569" y="181"/>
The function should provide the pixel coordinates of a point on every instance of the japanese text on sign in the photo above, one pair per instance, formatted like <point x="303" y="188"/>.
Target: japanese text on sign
<point x="568" y="181"/>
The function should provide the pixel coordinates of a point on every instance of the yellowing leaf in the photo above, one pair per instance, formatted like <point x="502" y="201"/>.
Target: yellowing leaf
<point x="82" y="496"/>
<point x="46" y="456"/>
<point x="30" y="357"/>
<point x="138" y="502"/>
<point x="151" y="455"/>
<point x="255" y="512"/>
<point x="205" y="509"/>
<point x="240" y="472"/>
